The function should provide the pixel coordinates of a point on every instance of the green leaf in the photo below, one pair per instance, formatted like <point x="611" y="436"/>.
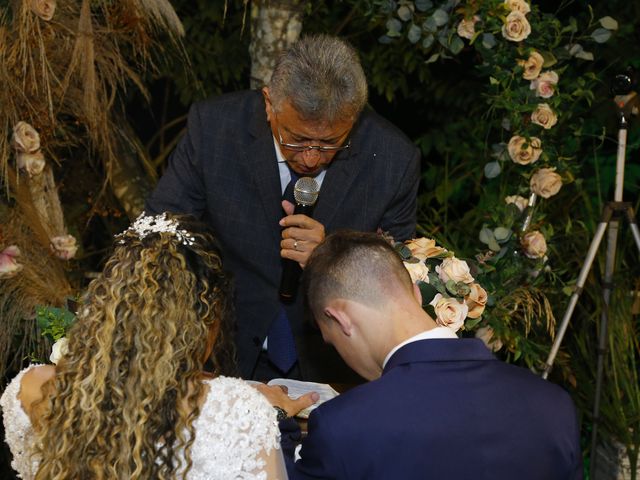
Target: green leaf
<point x="456" y="45"/>
<point x="488" y="41"/>
<point x="430" y="25"/>
<point x="601" y="35"/>
<point x="492" y="170"/>
<point x="414" y="33"/>
<point x="404" y="13"/>
<point x="393" y="27"/>
<point x="609" y="23"/>
<point x="428" y="40"/>
<point x="423" y="5"/>
<point x="432" y="58"/>
<point x="427" y="291"/>
<point x="472" y="322"/>
<point x="486" y="235"/>
<point x="452" y="287"/>
<point x="440" y="17"/>
<point x="431" y="311"/>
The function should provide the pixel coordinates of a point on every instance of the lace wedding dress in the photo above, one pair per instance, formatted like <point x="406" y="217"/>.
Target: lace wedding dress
<point x="236" y="425"/>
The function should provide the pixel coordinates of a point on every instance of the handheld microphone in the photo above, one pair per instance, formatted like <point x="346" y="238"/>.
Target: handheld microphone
<point x="305" y="193"/>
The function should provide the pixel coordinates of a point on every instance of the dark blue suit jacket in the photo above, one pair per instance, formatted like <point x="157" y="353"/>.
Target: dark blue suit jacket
<point x="225" y="171"/>
<point x="445" y="409"/>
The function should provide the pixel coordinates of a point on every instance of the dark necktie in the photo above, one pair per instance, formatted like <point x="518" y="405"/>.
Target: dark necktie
<point x="281" y="346"/>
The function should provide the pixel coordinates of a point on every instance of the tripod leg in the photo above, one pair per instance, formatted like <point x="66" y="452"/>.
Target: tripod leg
<point x="634" y="227"/>
<point x="607" y="286"/>
<point x="586" y="266"/>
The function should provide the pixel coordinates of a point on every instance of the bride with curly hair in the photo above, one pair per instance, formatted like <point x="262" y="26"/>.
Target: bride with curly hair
<point x="129" y="400"/>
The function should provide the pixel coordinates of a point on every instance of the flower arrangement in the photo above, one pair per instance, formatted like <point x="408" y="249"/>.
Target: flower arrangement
<point x="450" y="293"/>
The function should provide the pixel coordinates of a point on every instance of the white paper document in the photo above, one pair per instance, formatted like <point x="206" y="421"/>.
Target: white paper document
<point x="297" y="388"/>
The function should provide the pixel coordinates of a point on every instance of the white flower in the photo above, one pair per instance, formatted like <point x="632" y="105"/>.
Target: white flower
<point x="25" y="138"/>
<point x="544" y="116"/>
<point x="534" y="244"/>
<point x="486" y="334"/>
<point x="32" y="163"/>
<point x="8" y="264"/>
<point x="523" y="151"/>
<point x="545" y="182"/>
<point x="516" y="27"/>
<point x="453" y="269"/>
<point x="64" y="246"/>
<point x="518" y="201"/>
<point x="545" y="84"/>
<point x="449" y="312"/>
<point x="59" y="349"/>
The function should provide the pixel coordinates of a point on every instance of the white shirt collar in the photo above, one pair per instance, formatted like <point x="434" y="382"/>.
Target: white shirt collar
<point x="285" y="173"/>
<point x="437" y="332"/>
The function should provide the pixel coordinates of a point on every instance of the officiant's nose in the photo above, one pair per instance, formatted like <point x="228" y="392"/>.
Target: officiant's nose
<point x="311" y="158"/>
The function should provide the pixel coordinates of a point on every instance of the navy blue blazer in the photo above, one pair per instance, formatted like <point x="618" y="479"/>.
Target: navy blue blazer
<point x="225" y="171"/>
<point x="445" y="409"/>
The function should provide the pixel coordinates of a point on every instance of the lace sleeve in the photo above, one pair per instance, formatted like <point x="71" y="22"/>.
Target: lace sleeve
<point x="235" y="432"/>
<point x="19" y="433"/>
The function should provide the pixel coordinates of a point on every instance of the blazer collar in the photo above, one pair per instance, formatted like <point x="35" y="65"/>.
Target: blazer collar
<point x="440" y="350"/>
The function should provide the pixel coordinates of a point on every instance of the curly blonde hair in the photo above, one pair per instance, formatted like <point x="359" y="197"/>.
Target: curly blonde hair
<point x="123" y="400"/>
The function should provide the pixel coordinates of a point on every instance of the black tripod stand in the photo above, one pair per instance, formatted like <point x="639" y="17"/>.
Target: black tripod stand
<point x="611" y="215"/>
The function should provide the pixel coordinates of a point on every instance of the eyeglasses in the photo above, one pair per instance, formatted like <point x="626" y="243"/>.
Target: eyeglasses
<point x="297" y="147"/>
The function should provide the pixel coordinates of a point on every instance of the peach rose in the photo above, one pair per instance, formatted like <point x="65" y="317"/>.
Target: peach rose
<point x="25" y="138"/>
<point x="476" y="300"/>
<point x="423" y="248"/>
<point x="449" y="312"/>
<point x="8" y="264"/>
<point x="64" y="246"/>
<point x="544" y="116"/>
<point x="523" y="152"/>
<point x="453" y="269"/>
<point x="418" y="271"/>
<point x="534" y="244"/>
<point x="532" y="66"/>
<point x="486" y="334"/>
<point x="516" y="27"/>
<point x="43" y="8"/>
<point x="545" y="84"/>
<point x="518" y="6"/>
<point x="518" y="201"/>
<point x="32" y="163"/>
<point x="467" y="27"/>
<point x="545" y="182"/>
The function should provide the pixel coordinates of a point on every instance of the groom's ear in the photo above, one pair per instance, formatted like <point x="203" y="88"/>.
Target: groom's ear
<point x="335" y="313"/>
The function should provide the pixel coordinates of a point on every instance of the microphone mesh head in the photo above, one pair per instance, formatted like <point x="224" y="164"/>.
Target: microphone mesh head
<point x="306" y="191"/>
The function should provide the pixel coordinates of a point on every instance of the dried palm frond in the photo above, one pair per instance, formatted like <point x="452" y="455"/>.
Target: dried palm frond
<point x="527" y="307"/>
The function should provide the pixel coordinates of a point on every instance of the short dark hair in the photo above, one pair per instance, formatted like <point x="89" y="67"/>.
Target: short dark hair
<point x="360" y="266"/>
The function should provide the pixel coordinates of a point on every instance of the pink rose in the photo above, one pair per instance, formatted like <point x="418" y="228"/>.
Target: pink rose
<point x="8" y="264"/>
<point x="476" y="300"/>
<point x="545" y="84"/>
<point x="545" y="182"/>
<point x="64" y="246"/>
<point x="32" y="163"/>
<point x="524" y="152"/>
<point x="453" y="269"/>
<point x="449" y="312"/>
<point x="424" y="248"/>
<point x="467" y="27"/>
<point x="518" y="201"/>
<point x="518" y="6"/>
<point x="516" y="27"/>
<point x="25" y="138"/>
<point x="534" y="244"/>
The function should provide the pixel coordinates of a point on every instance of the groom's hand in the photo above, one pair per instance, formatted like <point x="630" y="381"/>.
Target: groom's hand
<point x="278" y="397"/>
<point x="301" y="235"/>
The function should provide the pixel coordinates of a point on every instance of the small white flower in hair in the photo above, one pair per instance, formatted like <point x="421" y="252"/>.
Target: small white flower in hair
<point x="147" y="224"/>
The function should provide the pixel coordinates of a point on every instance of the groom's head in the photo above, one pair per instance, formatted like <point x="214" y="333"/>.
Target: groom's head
<point x="355" y="283"/>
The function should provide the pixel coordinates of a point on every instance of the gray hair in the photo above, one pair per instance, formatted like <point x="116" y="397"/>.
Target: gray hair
<point x="321" y="77"/>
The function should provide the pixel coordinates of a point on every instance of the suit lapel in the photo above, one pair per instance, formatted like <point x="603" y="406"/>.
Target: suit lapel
<point x="263" y="167"/>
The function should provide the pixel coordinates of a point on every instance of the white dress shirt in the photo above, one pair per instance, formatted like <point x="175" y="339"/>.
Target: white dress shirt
<point x="438" y="332"/>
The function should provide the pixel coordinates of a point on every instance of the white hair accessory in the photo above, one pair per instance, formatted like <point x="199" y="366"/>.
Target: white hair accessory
<point x="147" y="224"/>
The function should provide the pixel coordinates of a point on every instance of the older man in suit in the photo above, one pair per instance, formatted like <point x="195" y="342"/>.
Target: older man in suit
<point x="437" y="407"/>
<point x="241" y="152"/>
